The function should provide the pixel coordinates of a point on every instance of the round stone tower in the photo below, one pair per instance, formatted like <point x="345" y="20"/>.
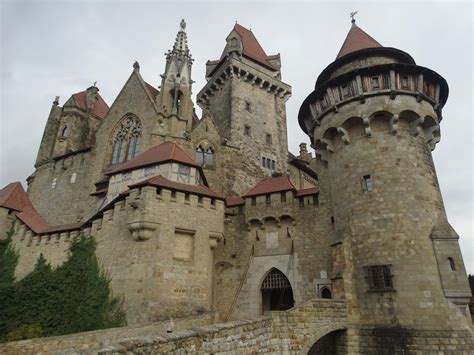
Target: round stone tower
<point x="374" y="118"/>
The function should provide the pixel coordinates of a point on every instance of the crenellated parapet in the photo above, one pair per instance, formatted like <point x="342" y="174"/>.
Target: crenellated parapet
<point x="234" y="68"/>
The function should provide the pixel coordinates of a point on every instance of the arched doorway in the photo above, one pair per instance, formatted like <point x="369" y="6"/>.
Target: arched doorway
<point x="326" y="293"/>
<point x="277" y="294"/>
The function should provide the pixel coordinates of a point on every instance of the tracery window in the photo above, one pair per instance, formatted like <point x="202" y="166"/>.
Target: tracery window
<point x="205" y="156"/>
<point x="127" y="140"/>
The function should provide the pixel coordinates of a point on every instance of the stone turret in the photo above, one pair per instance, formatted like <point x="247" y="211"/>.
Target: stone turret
<point x="246" y="98"/>
<point x="174" y="100"/>
<point x="373" y="120"/>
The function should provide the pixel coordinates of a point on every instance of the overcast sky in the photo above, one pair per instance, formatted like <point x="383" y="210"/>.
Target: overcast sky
<point x="51" y="48"/>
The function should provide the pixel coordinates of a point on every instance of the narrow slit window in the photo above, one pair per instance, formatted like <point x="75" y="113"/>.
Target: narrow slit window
<point x="368" y="183"/>
<point x="254" y="201"/>
<point x="452" y="264"/>
<point x="247" y="130"/>
<point x="283" y="196"/>
<point x="301" y="202"/>
<point x="268" y="138"/>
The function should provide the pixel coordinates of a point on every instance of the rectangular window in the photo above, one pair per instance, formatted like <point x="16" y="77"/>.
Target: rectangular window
<point x="368" y="183"/>
<point x="375" y="82"/>
<point x="345" y="90"/>
<point x="268" y="138"/>
<point x="264" y="161"/>
<point x="254" y="201"/>
<point x="273" y="165"/>
<point x="268" y="199"/>
<point x="316" y="199"/>
<point x="247" y="106"/>
<point x="186" y="197"/>
<point x="183" y="245"/>
<point x="379" y="277"/>
<point x="301" y="202"/>
<point x="405" y="82"/>
<point x="247" y="130"/>
<point x="283" y="196"/>
<point x="73" y="178"/>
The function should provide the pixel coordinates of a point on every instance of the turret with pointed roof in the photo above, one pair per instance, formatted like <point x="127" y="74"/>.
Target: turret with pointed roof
<point x="175" y="98"/>
<point x="246" y="98"/>
<point x="373" y="119"/>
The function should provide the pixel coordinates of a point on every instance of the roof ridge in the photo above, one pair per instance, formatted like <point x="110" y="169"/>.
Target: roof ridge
<point x="357" y="39"/>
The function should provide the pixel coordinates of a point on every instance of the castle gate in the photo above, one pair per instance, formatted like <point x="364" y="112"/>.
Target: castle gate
<point x="277" y="294"/>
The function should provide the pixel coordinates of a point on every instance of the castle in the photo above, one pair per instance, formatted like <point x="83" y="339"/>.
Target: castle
<point x="193" y="214"/>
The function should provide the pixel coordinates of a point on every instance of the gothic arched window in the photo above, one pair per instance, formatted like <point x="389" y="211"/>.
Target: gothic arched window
<point x="127" y="140"/>
<point x="205" y="156"/>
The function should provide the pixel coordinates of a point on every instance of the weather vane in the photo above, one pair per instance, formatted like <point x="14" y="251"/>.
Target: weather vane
<point x="353" y="13"/>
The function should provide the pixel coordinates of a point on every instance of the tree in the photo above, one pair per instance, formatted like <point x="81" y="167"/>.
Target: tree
<point x="8" y="262"/>
<point x="72" y="298"/>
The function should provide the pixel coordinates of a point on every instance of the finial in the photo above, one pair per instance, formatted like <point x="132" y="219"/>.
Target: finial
<point x="95" y="83"/>
<point x="136" y="65"/>
<point x="56" y="101"/>
<point x="182" y="25"/>
<point x="353" y="13"/>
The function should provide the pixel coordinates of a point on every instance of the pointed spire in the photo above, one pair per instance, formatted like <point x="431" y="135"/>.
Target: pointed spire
<point x="356" y="40"/>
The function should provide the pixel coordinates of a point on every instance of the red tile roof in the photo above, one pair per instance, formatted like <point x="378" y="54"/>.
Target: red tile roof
<point x="164" y="152"/>
<point x="356" y="40"/>
<point x="251" y="48"/>
<point x="267" y="186"/>
<point x="151" y="89"/>
<point x="234" y="201"/>
<point x="167" y="183"/>
<point x="308" y="191"/>
<point x="100" y="107"/>
<point x="14" y="197"/>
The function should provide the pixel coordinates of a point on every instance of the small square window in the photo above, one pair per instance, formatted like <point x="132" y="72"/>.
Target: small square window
<point x="268" y="138"/>
<point x="368" y="183"/>
<point x="247" y="130"/>
<point x="380" y="278"/>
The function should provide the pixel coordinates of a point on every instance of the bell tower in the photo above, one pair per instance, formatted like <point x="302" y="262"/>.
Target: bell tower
<point x="373" y="120"/>
<point x="174" y="101"/>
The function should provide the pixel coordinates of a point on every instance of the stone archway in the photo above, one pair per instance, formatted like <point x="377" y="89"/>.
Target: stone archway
<point x="276" y="291"/>
<point x="332" y="343"/>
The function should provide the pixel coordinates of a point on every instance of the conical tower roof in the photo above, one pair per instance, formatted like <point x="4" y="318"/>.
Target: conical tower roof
<point x="356" y="40"/>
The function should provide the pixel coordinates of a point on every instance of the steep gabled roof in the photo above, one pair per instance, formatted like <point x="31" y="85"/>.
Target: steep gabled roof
<point x="14" y="197"/>
<point x="164" y="152"/>
<point x="252" y="48"/>
<point x="151" y="90"/>
<point x="271" y="185"/>
<point x="100" y="108"/>
<point x="162" y="181"/>
<point x="356" y="40"/>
